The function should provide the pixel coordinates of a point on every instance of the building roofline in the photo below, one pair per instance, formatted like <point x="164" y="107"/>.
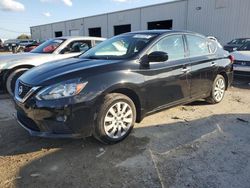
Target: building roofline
<point x="108" y="13"/>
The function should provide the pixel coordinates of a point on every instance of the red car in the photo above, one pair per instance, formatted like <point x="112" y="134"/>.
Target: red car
<point x="30" y="47"/>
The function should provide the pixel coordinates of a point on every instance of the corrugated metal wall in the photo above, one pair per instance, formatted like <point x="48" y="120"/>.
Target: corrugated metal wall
<point x="138" y="18"/>
<point x="74" y="25"/>
<point x="96" y="21"/>
<point x="176" y="11"/>
<point x="224" y="19"/>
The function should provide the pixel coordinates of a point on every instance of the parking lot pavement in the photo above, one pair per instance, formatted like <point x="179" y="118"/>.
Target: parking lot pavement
<point x="195" y="145"/>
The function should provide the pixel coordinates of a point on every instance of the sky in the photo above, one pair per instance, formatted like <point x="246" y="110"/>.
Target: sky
<point x="16" y="16"/>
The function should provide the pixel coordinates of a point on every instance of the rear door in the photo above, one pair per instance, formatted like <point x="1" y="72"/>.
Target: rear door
<point x="168" y="83"/>
<point x="203" y="65"/>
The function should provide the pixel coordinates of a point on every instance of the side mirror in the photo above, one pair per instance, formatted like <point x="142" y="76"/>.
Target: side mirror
<point x="158" y="56"/>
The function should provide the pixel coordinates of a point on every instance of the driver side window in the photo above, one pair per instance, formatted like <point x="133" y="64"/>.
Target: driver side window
<point x="172" y="45"/>
<point x="77" y="47"/>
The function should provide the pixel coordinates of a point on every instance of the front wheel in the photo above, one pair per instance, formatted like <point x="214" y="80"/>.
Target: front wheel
<point x="12" y="78"/>
<point x="218" y="90"/>
<point x="115" y="118"/>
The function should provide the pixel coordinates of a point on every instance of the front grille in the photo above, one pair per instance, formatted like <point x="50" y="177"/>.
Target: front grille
<point x="23" y="89"/>
<point x="27" y="122"/>
<point x="242" y="63"/>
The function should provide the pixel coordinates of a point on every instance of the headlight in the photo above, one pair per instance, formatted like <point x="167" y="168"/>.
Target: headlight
<point x="62" y="90"/>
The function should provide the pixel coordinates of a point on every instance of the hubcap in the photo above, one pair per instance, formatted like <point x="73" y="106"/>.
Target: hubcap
<point x="118" y="120"/>
<point x="219" y="90"/>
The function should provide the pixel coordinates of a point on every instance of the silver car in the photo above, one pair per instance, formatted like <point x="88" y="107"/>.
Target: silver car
<point x="14" y="65"/>
<point x="242" y="60"/>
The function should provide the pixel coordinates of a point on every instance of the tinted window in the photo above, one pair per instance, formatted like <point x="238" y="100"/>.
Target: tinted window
<point x="197" y="46"/>
<point x="77" y="47"/>
<point x="173" y="45"/>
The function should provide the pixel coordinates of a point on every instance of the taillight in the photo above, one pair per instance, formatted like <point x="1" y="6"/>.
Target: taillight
<point x="231" y="57"/>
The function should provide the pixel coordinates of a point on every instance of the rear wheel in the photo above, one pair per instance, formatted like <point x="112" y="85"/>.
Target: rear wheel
<point x="115" y="119"/>
<point x="218" y="90"/>
<point x="12" y="78"/>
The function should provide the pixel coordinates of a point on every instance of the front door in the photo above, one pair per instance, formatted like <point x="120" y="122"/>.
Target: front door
<point x="167" y="83"/>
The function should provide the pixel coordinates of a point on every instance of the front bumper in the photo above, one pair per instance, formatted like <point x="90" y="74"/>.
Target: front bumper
<point x="55" y="120"/>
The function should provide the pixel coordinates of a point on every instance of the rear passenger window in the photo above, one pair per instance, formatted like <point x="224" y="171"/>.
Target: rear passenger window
<point x="197" y="46"/>
<point x="172" y="45"/>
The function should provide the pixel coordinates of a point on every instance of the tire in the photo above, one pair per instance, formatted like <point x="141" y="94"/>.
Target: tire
<point x="218" y="90"/>
<point x="109" y="122"/>
<point x="12" y="78"/>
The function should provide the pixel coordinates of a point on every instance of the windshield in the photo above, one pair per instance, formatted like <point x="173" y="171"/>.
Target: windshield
<point x="238" y="41"/>
<point x="49" y="46"/>
<point x="120" y="47"/>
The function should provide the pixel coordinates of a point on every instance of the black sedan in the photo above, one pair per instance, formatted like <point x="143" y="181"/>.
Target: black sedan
<point x="236" y="44"/>
<point x="117" y="83"/>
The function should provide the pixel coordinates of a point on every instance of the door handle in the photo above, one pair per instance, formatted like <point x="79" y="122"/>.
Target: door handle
<point x="185" y="70"/>
<point x="213" y="64"/>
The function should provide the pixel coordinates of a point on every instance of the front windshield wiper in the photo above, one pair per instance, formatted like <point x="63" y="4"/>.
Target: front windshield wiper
<point x="88" y="57"/>
<point x="96" y="57"/>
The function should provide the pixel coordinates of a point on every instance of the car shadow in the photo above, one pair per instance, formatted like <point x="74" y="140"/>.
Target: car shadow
<point x="130" y="163"/>
<point x="198" y="103"/>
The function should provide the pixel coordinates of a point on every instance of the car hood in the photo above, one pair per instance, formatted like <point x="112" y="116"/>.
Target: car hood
<point x="7" y="61"/>
<point x="57" y="71"/>
<point x="241" y="55"/>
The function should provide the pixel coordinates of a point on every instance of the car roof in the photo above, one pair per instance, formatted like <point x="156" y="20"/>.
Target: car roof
<point x="81" y="38"/>
<point x="163" y="31"/>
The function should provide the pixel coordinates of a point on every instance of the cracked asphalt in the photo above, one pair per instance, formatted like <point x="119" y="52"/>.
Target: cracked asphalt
<point x="195" y="145"/>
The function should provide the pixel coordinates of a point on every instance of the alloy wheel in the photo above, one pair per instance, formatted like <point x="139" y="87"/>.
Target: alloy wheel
<point x="118" y="120"/>
<point x="219" y="89"/>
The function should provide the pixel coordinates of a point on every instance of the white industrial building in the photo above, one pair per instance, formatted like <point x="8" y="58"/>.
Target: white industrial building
<point x="224" y="19"/>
